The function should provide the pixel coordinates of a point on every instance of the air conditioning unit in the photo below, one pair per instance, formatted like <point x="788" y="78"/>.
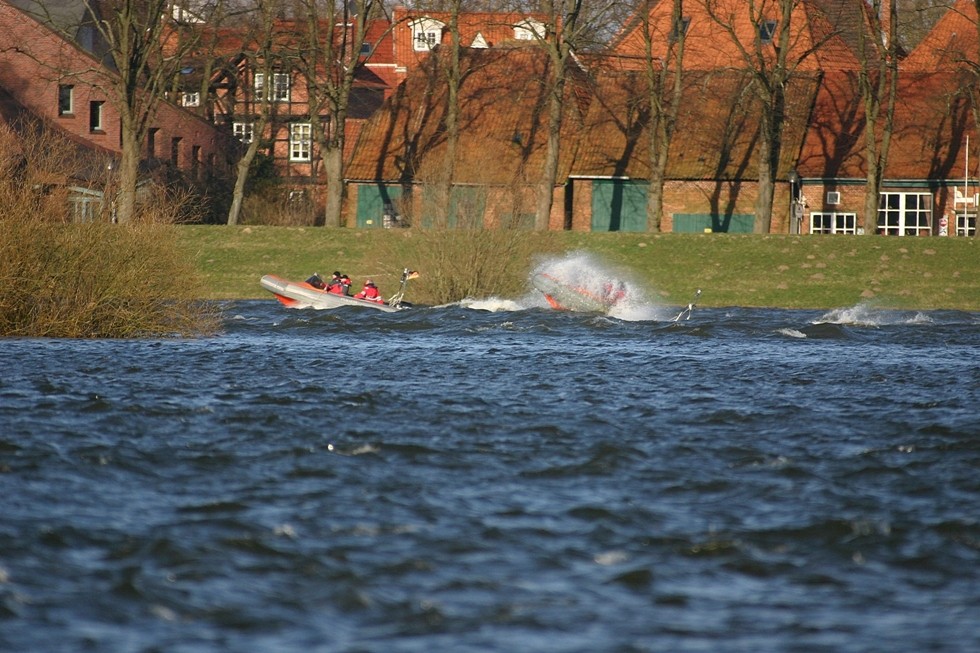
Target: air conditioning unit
<point x="833" y="198"/>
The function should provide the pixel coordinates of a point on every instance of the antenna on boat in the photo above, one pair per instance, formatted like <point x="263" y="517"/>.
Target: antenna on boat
<point x="686" y="313"/>
<point x="396" y="299"/>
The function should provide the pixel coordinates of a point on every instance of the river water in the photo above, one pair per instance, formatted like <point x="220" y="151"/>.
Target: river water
<point x="496" y="476"/>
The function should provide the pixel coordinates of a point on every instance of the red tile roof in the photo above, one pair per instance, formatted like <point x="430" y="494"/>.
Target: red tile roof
<point x="952" y="40"/>
<point x="503" y="117"/>
<point x="717" y="127"/>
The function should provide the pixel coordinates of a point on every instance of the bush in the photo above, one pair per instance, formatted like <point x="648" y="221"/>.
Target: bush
<point x="456" y="264"/>
<point x="94" y="279"/>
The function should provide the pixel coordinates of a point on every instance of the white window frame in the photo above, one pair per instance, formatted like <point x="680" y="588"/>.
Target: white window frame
<point x="191" y="99"/>
<point x="426" y="34"/>
<point x="281" y="83"/>
<point x="278" y="92"/>
<point x="66" y="92"/>
<point x="905" y="214"/>
<point x="243" y="131"/>
<point x="833" y="222"/>
<point x="300" y="141"/>
<point x="966" y="225"/>
<point x="96" y="119"/>
<point x="529" y="30"/>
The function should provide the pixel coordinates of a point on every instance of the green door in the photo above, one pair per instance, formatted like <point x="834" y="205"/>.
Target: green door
<point x="371" y="201"/>
<point x="619" y="205"/>
<point x="697" y="223"/>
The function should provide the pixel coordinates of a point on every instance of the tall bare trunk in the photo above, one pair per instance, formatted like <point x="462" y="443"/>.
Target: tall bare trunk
<point x="333" y="169"/>
<point x="549" y="175"/>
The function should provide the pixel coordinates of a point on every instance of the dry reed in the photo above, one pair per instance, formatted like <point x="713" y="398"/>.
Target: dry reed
<point x="91" y="279"/>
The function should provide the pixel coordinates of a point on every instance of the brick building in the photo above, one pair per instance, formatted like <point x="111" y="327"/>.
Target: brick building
<point x="61" y="83"/>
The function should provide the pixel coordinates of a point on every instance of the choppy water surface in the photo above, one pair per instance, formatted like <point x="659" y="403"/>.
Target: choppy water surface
<point x="516" y="479"/>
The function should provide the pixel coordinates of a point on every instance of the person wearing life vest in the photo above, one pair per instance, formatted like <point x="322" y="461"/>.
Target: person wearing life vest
<point x="370" y="292"/>
<point x="345" y="285"/>
<point x="334" y="285"/>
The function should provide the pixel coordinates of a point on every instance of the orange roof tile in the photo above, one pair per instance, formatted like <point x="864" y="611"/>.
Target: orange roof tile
<point x="709" y="44"/>
<point x="503" y="117"/>
<point x="952" y="40"/>
<point x="716" y="133"/>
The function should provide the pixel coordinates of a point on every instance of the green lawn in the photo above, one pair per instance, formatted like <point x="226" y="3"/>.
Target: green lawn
<point x="732" y="270"/>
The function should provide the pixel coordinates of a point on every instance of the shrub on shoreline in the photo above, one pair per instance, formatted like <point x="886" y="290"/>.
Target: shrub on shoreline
<point x="87" y="280"/>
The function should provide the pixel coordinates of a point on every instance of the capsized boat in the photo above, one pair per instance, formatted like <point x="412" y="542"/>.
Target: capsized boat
<point x="303" y="294"/>
<point x="564" y="296"/>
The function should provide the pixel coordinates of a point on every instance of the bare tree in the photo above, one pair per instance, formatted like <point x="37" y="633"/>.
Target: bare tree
<point x="664" y="77"/>
<point x="257" y="59"/>
<point x="878" y="84"/>
<point x="328" y="55"/>
<point x="563" y="30"/>
<point x="767" y="58"/>
<point x="141" y="45"/>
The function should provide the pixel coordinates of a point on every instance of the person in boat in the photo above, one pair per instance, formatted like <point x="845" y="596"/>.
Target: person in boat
<point x="370" y="292"/>
<point x="334" y="284"/>
<point x="345" y="284"/>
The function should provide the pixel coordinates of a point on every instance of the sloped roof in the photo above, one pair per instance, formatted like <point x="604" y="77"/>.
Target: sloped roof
<point x="717" y="131"/>
<point x="932" y="120"/>
<point x="493" y="28"/>
<point x="503" y="119"/>
<point x="952" y="40"/>
<point x="823" y="33"/>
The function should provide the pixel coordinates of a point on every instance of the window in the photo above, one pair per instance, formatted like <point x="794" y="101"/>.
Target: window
<point x="833" y="223"/>
<point x="243" y="131"/>
<point x="151" y="142"/>
<point x="767" y="29"/>
<point x="95" y="116"/>
<point x="195" y="161"/>
<point x="425" y="40"/>
<point x="191" y="99"/>
<point x="280" y="86"/>
<point x="680" y="28"/>
<point x="366" y="49"/>
<point x="175" y="151"/>
<point x="905" y="214"/>
<point x="299" y="141"/>
<point x="66" y="105"/>
<point x="966" y="225"/>
<point x="529" y="30"/>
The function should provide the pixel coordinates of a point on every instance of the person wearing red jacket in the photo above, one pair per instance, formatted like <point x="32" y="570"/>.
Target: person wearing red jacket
<point x="370" y="292"/>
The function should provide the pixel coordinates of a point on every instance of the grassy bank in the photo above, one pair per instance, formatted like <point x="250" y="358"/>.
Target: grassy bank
<point x="732" y="270"/>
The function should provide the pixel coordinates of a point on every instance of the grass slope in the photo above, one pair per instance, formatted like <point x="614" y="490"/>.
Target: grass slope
<point x="732" y="270"/>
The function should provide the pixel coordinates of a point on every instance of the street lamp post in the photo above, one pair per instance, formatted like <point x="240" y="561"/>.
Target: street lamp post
<point x="795" y="212"/>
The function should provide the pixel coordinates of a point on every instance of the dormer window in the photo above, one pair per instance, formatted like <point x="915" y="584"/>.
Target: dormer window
<point x="528" y="30"/>
<point x="767" y="29"/>
<point x="426" y="34"/>
<point x="680" y="28"/>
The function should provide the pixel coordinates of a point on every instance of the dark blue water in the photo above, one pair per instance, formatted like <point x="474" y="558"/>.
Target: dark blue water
<point x="454" y="479"/>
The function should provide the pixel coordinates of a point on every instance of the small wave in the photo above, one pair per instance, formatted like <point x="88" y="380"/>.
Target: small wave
<point x="867" y="315"/>
<point x="495" y="304"/>
<point x="792" y="333"/>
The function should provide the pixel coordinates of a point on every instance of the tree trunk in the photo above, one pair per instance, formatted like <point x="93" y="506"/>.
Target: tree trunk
<point x="333" y="168"/>
<point x="241" y="178"/>
<point x="549" y="175"/>
<point x="125" y="196"/>
<point x="763" y="205"/>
